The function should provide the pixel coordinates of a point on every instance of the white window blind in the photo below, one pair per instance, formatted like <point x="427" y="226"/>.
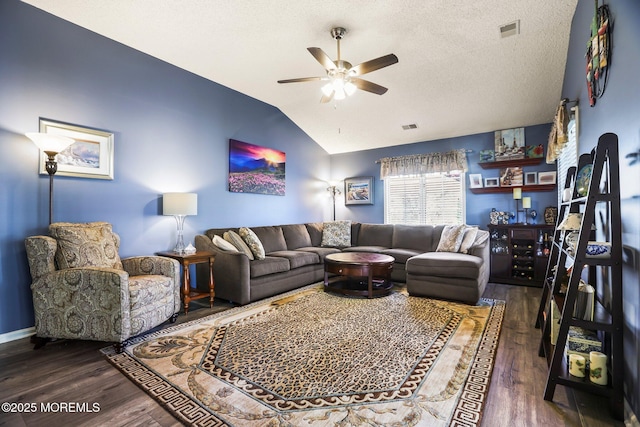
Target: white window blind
<point x="569" y="155"/>
<point x="432" y="198"/>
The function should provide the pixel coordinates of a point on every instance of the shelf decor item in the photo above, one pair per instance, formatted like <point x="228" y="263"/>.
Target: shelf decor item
<point x="598" y="367"/>
<point x="577" y="365"/>
<point x="583" y="179"/>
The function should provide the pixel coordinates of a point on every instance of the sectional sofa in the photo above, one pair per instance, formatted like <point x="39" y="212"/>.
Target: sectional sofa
<point x="456" y="267"/>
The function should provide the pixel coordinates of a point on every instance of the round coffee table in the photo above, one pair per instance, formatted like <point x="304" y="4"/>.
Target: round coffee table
<point x="358" y="273"/>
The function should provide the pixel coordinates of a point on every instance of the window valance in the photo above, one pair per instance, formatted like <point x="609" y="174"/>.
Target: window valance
<point x="423" y="163"/>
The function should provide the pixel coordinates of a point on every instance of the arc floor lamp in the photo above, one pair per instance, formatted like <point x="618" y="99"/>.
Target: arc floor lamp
<point x="51" y="145"/>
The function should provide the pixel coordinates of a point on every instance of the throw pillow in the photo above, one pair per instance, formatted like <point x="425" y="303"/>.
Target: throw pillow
<point x="235" y="239"/>
<point x="223" y="244"/>
<point x="252" y="241"/>
<point x="451" y="238"/>
<point x="336" y="234"/>
<point x="468" y="239"/>
<point x="91" y="244"/>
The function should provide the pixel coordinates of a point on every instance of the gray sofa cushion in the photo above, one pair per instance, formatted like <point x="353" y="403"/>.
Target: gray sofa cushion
<point x="271" y="237"/>
<point x="375" y="235"/>
<point x="321" y="252"/>
<point x="365" y="249"/>
<point x="297" y="258"/>
<point x="315" y="232"/>
<point x="445" y="264"/>
<point x="296" y="236"/>
<point x="401" y="255"/>
<point x="268" y="265"/>
<point x="418" y="237"/>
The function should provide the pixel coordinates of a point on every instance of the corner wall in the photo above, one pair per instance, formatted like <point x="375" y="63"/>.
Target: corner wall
<point x="618" y="111"/>
<point x="171" y="134"/>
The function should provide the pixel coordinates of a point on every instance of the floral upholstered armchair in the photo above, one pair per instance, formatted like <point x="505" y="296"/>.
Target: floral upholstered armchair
<point x="83" y="290"/>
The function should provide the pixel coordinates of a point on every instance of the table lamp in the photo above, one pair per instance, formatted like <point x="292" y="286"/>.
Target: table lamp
<point x="180" y="205"/>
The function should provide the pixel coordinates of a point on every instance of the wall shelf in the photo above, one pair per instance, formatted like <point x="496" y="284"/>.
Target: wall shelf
<point x="487" y="190"/>
<point x="529" y="161"/>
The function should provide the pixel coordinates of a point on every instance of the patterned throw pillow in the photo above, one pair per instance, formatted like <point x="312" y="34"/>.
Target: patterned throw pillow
<point x="91" y="244"/>
<point x="223" y="244"/>
<point x="451" y="238"/>
<point x="468" y="239"/>
<point x="252" y="241"/>
<point x="336" y="234"/>
<point x="235" y="239"/>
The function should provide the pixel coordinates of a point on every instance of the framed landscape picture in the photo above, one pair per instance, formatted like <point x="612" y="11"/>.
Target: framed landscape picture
<point x="256" y="169"/>
<point x="90" y="156"/>
<point x="358" y="190"/>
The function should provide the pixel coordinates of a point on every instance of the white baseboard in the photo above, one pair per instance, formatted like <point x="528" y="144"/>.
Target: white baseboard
<point x="16" y="335"/>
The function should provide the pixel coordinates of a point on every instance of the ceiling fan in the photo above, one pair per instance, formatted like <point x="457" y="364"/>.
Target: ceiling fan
<point x="342" y="78"/>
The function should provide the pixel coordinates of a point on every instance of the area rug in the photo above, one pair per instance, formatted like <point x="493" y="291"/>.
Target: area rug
<point x="311" y="358"/>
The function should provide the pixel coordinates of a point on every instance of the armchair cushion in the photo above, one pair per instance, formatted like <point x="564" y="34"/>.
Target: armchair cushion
<point x="90" y="244"/>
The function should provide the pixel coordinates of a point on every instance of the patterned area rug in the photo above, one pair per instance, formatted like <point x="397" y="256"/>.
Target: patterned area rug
<point x="310" y="358"/>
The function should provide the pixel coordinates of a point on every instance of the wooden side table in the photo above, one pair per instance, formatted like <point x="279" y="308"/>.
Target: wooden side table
<point x="188" y="293"/>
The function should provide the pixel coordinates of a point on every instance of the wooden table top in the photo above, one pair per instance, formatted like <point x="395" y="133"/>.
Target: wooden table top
<point x="359" y="258"/>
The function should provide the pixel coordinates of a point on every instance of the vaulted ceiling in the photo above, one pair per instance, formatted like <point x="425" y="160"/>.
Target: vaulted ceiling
<point x="456" y="75"/>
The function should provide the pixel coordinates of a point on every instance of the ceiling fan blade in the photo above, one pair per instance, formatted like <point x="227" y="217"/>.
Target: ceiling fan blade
<point x="322" y="58"/>
<point x="374" y="64"/>
<point x="368" y="86"/>
<point x="302" y="79"/>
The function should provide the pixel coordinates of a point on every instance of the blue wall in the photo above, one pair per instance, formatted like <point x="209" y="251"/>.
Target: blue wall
<point x="618" y="111"/>
<point x="171" y="134"/>
<point x="478" y="206"/>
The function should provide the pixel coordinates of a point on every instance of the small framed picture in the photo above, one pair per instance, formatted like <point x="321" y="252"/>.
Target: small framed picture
<point x="511" y="177"/>
<point x="531" y="178"/>
<point x="358" y="190"/>
<point x="475" y="180"/>
<point x="492" y="182"/>
<point x="546" y="177"/>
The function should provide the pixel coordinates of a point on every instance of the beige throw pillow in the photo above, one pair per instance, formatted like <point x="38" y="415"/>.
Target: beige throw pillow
<point x="252" y="241"/>
<point x="223" y="244"/>
<point x="235" y="239"/>
<point x="468" y="239"/>
<point x="451" y="238"/>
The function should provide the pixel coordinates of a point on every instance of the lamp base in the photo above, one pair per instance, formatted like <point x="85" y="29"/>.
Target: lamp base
<point x="179" y="248"/>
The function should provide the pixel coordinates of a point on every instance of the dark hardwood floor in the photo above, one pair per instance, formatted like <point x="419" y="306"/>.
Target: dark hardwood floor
<point x="76" y="371"/>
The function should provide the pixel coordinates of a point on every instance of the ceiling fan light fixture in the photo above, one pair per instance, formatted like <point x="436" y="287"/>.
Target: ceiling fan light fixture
<point x="350" y="88"/>
<point x="339" y="95"/>
<point x="327" y="89"/>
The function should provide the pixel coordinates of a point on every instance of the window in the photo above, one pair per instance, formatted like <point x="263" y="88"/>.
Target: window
<point x="430" y="198"/>
<point x="569" y="155"/>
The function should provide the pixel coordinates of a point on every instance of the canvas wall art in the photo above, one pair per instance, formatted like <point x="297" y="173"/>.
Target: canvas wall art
<point x="509" y="144"/>
<point x="256" y="169"/>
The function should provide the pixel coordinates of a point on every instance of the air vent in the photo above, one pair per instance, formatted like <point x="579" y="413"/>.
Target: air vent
<point x="509" y="30"/>
<point x="411" y="126"/>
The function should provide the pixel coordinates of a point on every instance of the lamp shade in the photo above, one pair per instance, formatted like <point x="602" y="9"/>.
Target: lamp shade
<point x="179" y="204"/>
<point x="50" y="143"/>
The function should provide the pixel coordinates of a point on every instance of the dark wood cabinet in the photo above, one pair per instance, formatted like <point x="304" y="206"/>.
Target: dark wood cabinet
<point x="519" y="253"/>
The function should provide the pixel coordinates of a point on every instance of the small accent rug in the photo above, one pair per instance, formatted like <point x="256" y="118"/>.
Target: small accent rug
<point x="311" y="358"/>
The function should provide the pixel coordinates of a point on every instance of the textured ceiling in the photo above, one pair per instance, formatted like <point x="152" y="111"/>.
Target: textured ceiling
<point x="455" y="76"/>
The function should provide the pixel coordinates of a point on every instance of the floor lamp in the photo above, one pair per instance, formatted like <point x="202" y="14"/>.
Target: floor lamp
<point x="51" y="145"/>
<point x="179" y="205"/>
<point x="334" y="190"/>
